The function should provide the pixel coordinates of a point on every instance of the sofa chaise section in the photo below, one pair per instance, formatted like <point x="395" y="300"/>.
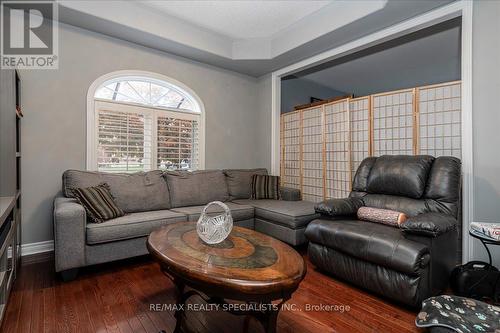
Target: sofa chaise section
<point x="284" y="220"/>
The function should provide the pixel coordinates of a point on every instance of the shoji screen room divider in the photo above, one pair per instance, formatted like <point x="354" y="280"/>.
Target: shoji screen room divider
<point x="322" y="146"/>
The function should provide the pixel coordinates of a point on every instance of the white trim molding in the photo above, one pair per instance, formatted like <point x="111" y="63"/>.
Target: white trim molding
<point x="462" y="9"/>
<point x="36" y="248"/>
<point x="91" y="139"/>
<point x="467" y="132"/>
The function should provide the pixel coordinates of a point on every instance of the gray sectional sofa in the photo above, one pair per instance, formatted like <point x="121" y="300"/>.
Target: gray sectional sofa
<point x="156" y="198"/>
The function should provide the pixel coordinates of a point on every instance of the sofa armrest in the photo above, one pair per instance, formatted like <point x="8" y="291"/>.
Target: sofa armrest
<point x="339" y="207"/>
<point x="290" y="194"/>
<point x="429" y="224"/>
<point x="69" y="233"/>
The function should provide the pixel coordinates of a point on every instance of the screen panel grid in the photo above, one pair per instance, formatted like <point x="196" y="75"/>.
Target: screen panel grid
<point x="290" y="173"/>
<point x="393" y="123"/>
<point x="338" y="179"/>
<point x="440" y="120"/>
<point x="322" y="146"/>
<point x="359" y="114"/>
<point x="312" y="154"/>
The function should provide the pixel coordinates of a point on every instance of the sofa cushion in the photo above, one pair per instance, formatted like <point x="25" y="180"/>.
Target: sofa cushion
<point x="401" y="175"/>
<point x="239" y="182"/>
<point x="133" y="192"/>
<point x="293" y="214"/>
<point x="372" y="242"/>
<point x="239" y="212"/>
<point x="196" y="188"/>
<point x="131" y="226"/>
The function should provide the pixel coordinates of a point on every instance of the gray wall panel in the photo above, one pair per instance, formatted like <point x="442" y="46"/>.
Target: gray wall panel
<point x="7" y="133"/>
<point x="486" y="117"/>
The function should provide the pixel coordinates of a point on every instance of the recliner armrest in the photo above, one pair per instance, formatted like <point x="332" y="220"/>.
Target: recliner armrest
<point x="290" y="194"/>
<point x="339" y="207"/>
<point x="429" y="224"/>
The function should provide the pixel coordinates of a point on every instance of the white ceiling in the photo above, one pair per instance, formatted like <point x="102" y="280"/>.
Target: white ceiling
<point x="240" y="19"/>
<point x="249" y="37"/>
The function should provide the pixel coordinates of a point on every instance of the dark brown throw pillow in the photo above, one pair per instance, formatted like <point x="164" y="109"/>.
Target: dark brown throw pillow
<point x="98" y="203"/>
<point x="384" y="216"/>
<point x="265" y="187"/>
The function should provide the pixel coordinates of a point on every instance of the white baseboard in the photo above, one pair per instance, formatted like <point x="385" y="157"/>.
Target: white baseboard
<point x="35" y="248"/>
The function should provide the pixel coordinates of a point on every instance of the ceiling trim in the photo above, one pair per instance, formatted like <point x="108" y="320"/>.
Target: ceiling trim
<point x="155" y="23"/>
<point x="169" y="28"/>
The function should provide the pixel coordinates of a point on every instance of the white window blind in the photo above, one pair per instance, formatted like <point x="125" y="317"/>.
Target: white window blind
<point x="124" y="141"/>
<point x="177" y="143"/>
<point x="133" y="138"/>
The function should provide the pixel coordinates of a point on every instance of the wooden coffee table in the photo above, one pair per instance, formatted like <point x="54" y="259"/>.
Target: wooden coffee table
<point x="248" y="266"/>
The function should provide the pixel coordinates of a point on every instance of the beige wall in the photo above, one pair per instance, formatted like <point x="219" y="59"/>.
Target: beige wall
<point x="54" y="103"/>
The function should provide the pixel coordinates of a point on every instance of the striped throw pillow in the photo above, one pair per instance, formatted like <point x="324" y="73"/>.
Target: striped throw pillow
<point x="265" y="187"/>
<point x="98" y="203"/>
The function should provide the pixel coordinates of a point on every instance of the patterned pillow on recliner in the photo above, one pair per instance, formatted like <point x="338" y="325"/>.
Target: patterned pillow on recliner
<point x="384" y="216"/>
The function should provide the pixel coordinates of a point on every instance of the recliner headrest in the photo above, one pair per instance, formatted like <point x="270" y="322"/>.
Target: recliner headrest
<point x="402" y="175"/>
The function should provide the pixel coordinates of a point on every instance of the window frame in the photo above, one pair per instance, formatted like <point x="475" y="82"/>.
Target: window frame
<point x="92" y="114"/>
<point x="164" y="84"/>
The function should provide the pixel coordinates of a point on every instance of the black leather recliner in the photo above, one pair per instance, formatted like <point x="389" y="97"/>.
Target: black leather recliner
<point x="407" y="264"/>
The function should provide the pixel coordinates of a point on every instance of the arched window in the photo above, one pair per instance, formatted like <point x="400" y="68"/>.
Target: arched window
<point x="143" y="121"/>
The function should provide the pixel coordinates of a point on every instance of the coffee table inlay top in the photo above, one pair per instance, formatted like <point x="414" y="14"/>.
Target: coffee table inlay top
<point x="246" y="262"/>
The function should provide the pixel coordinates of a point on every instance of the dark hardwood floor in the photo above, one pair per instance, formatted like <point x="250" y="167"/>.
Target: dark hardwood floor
<point x="117" y="297"/>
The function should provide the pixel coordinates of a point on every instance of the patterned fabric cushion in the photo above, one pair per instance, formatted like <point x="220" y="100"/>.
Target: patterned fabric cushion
<point x="98" y="203"/>
<point x="384" y="216"/>
<point x="265" y="187"/>
<point x="459" y="314"/>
